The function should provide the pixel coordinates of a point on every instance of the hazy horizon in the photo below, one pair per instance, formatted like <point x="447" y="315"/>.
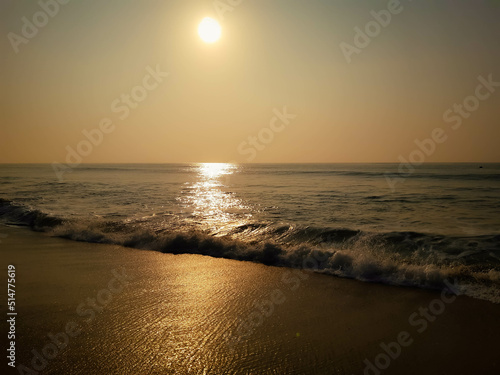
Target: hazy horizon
<point x="250" y="163"/>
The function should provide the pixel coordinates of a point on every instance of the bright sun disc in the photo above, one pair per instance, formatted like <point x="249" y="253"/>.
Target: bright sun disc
<point x="209" y="30"/>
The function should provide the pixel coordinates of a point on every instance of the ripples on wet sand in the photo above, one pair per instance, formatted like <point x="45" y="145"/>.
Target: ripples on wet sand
<point x="183" y="314"/>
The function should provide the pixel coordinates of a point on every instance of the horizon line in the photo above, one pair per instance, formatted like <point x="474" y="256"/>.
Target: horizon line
<point x="246" y="163"/>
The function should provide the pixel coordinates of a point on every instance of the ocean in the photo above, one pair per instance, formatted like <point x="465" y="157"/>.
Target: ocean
<point x="439" y="223"/>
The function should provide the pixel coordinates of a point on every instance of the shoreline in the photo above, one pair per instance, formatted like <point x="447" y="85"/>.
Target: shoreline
<point x="214" y="315"/>
<point x="363" y="266"/>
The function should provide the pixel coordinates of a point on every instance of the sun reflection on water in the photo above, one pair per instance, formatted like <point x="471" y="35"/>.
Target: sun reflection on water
<point x="211" y="199"/>
<point x="214" y="170"/>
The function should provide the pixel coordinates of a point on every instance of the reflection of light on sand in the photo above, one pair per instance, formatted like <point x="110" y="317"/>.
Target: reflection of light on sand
<point x="192" y="316"/>
<point x="209" y="197"/>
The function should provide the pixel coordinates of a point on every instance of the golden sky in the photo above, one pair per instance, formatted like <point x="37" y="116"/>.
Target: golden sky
<point x="273" y="56"/>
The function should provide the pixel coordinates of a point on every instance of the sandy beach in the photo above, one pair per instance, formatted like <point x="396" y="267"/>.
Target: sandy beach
<point x="98" y="309"/>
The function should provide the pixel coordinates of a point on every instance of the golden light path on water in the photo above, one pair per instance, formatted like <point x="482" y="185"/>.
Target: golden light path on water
<point x="211" y="200"/>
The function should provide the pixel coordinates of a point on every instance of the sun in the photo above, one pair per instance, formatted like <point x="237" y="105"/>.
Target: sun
<point x="209" y="30"/>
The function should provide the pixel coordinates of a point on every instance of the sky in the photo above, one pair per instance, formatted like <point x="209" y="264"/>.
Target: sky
<point x="289" y="81"/>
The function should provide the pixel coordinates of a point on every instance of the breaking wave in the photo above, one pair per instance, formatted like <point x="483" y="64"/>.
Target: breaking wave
<point x="396" y="258"/>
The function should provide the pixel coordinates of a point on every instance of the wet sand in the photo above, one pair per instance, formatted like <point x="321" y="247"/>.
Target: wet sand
<point x="112" y="310"/>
